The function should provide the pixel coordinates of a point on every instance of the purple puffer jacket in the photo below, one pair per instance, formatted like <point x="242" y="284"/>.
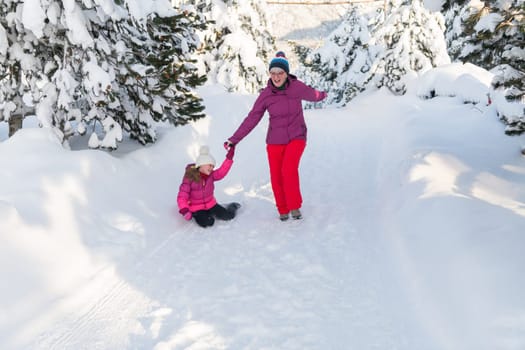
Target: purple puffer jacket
<point x="200" y="195"/>
<point x="285" y="109"/>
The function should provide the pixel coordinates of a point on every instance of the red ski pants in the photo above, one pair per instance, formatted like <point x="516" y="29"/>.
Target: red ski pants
<point x="284" y="174"/>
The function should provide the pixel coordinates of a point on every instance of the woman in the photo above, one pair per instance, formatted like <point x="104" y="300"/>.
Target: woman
<point x="286" y="136"/>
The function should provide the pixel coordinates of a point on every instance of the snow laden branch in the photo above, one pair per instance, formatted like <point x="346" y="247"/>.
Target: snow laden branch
<point x="374" y="49"/>
<point x="101" y="68"/>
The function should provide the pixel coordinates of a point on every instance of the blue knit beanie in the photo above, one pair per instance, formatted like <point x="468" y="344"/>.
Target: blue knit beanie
<point x="280" y="61"/>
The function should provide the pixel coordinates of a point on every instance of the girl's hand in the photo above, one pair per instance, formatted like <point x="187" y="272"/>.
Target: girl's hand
<point x="186" y="213"/>
<point x="231" y="152"/>
<point x="228" y="144"/>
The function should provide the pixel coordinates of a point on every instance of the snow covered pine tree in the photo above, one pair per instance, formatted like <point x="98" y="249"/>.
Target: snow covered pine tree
<point x="77" y="63"/>
<point x="414" y="42"/>
<point x="365" y="51"/>
<point x="341" y="66"/>
<point x="240" y="45"/>
<point x="491" y="34"/>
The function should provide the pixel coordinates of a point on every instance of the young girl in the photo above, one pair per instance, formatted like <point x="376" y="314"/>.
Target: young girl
<point x="196" y="193"/>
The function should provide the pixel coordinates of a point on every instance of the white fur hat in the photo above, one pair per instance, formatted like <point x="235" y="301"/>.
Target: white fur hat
<point x="204" y="157"/>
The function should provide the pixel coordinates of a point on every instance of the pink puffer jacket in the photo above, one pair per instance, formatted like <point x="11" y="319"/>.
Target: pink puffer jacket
<point x="200" y="195"/>
<point x="285" y="109"/>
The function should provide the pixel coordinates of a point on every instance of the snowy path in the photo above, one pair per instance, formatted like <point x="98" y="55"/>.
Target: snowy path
<point x="256" y="282"/>
<point x="236" y="290"/>
<point x="343" y="277"/>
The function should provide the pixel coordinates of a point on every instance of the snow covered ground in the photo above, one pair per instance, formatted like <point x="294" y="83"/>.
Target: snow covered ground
<point x="412" y="237"/>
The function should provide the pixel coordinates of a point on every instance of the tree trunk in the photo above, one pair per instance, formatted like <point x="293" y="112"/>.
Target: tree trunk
<point x="15" y="124"/>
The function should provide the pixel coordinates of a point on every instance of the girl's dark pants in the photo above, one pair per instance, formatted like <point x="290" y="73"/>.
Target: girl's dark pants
<point x="206" y="218"/>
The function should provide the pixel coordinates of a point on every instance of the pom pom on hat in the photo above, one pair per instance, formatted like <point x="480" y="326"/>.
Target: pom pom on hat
<point x="280" y="61"/>
<point x="204" y="157"/>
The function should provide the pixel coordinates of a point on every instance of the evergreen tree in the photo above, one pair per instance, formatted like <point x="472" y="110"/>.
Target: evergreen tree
<point x="238" y="41"/>
<point x="413" y="41"/>
<point x="377" y="51"/>
<point x="20" y="69"/>
<point x="341" y="67"/>
<point x="509" y="40"/>
<point x="494" y="39"/>
<point x="455" y="33"/>
<point x="79" y="63"/>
